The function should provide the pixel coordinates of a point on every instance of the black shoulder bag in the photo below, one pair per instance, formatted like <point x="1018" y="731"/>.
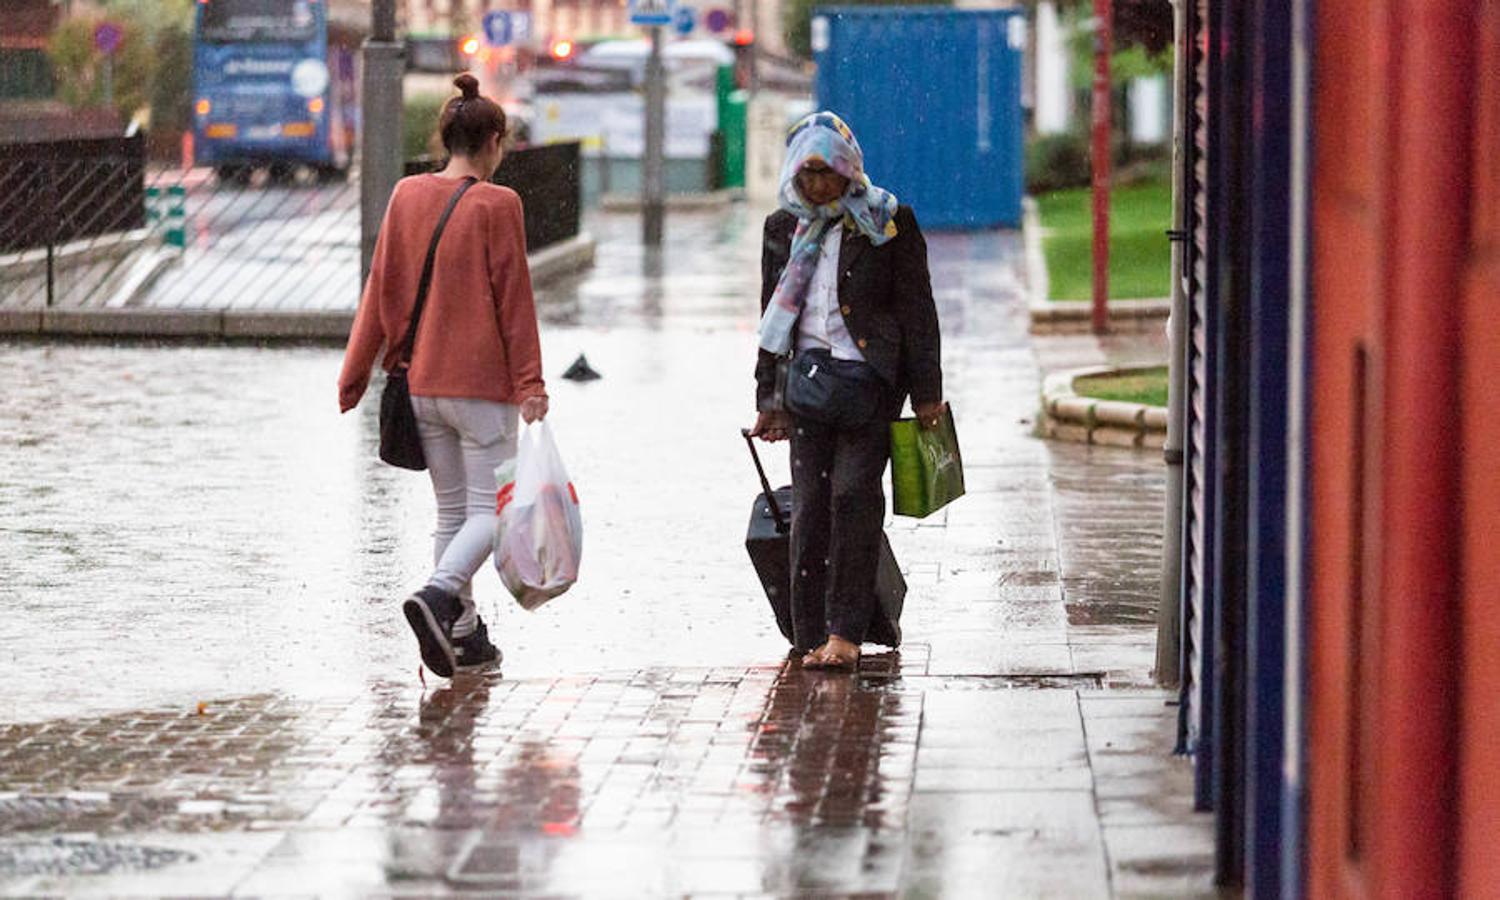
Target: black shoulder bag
<point x="400" y="444"/>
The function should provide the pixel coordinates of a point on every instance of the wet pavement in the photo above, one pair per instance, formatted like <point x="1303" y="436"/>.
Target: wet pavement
<point x="210" y="690"/>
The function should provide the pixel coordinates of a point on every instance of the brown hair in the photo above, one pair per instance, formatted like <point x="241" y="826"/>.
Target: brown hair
<point x="469" y="119"/>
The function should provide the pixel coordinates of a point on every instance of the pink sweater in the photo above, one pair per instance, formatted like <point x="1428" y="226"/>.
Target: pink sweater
<point x="478" y="335"/>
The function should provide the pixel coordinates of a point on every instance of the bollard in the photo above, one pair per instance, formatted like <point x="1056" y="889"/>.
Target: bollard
<point x="153" y="208"/>
<point x="176" y="216"/>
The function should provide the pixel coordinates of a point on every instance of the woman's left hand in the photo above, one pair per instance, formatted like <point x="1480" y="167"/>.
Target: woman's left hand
<point x="930" y="415"/>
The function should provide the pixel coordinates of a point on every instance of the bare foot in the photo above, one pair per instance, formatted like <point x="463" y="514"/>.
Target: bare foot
<point x="836" y="654"/>
<point x="810" y="658"/>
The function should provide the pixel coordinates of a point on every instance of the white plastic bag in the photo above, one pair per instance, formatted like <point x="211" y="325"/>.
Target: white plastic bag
<point x="539" y="538"/>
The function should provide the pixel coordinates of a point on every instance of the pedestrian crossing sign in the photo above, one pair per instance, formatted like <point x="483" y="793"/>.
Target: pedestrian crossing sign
<point x="651" y="12"/>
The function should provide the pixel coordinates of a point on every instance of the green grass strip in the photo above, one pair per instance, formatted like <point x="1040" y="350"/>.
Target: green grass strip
<point x="1148" y="386"/>
<point x="1139" y="255"/>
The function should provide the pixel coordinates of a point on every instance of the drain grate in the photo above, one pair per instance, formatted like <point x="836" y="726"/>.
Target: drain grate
<point x="1008" y="681"/>
<point x="31" y="811"/>
<point x="62" y="856"/>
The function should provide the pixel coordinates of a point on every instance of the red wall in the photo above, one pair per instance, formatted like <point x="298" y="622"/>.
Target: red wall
<point x="1479" y="755"/>
<point x="28" y="23"/>
<point x="1393" y="196"/>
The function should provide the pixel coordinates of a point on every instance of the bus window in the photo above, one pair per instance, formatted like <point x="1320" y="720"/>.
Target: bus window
<point x="228" y="21"/>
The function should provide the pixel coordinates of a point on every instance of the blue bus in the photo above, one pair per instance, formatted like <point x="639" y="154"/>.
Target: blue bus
<point x="275" y="87"/>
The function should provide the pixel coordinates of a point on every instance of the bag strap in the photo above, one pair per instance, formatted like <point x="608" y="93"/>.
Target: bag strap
<point x="765" y="483"/>
<point x="409" y="341"/>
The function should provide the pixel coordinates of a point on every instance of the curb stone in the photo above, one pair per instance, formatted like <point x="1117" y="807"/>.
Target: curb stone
<point x="681" y="202"/>
<point x="1069" y="416"/>
<point x="1076" y="317"/>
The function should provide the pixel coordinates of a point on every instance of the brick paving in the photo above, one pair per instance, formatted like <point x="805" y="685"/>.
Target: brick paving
<point x="1013" y="748"/>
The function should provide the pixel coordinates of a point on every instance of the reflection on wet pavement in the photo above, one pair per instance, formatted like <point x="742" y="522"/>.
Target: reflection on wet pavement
<point x="209" y="689"/>
<point x="1109" y="518"/>
<point x="524" y="772"/>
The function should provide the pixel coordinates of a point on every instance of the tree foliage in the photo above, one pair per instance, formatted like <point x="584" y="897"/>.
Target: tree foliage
<point x="1146" y="24"/>
<point x="151" y="70"/>
<point x="81" y="69"/>
<point x="172" y="88"/>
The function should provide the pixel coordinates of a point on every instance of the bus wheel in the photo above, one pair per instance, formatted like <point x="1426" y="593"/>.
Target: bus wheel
<point x="282" y="172"/>
<point x="234" y="173"/>
<point x="331" y="174"/>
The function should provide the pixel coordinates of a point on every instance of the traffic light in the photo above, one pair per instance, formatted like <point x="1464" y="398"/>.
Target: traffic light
<point x="744" y="58"/>
<point x="562" y="51"/>
<point x="469" y="45"/>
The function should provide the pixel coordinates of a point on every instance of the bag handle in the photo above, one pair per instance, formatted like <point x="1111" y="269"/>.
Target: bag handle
<point x="409" y="341"/>
<point x="765" y="483"/>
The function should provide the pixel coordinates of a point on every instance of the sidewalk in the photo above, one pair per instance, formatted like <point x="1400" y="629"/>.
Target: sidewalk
<point x="646" y="739"/>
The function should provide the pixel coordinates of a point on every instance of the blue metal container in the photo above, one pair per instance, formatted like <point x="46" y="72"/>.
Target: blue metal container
<point x="934" y="95"/>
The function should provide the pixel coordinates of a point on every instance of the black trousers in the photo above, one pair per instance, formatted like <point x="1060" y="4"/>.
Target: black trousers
<point x="838" y="509"/>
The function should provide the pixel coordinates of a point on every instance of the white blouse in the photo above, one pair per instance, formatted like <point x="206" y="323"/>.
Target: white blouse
<point x="822" y="323"/>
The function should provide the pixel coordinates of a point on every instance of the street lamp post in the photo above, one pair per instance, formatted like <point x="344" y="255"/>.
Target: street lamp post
<point x="380" y="147"/>
<point x="653" y="162"/>
<point x="1103" y="47"/>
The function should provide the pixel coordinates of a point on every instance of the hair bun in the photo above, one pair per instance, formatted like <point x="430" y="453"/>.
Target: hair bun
<point x="468" y="85"/>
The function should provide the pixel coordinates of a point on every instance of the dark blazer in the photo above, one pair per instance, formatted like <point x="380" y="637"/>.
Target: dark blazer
<point x="885" y="294"/>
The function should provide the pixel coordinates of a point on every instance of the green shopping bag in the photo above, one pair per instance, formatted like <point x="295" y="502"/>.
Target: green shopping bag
<point x="927" y="471"/>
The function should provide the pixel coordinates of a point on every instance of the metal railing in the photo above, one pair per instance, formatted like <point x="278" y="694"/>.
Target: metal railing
<point x="92" y="225"/>
<point x="64" y="206"/>
<point x="548" y="179"/>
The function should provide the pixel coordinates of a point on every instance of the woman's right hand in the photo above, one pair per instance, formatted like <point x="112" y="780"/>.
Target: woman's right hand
<point x="772" y="426"/>
<point x="350" y="393"/>
<point x="533" y="409"/>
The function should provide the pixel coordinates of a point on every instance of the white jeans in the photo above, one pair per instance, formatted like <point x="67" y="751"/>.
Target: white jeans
<point x="464" y="441"/>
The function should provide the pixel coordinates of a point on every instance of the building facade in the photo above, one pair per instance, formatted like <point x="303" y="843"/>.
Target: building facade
<point x="1340" y="578"/>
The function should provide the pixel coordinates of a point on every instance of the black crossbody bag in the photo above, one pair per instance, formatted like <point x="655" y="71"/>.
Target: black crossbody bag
<point x="400" y="443"/>
<point x="844" y="393"/>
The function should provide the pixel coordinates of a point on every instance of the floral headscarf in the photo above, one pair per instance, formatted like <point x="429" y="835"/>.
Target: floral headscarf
<point x="821" y="137"/>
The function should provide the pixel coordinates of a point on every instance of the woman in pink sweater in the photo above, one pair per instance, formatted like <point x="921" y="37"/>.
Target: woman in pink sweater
<point x="475" y="364"/>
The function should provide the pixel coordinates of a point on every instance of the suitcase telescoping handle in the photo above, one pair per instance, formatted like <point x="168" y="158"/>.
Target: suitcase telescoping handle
<point x="765" y="483"/>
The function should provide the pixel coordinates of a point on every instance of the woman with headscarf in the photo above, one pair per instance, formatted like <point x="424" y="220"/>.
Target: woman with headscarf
<point x="844" y="291"/>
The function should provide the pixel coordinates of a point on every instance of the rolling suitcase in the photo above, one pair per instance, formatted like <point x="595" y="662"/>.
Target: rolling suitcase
<point x="769" y="544"/>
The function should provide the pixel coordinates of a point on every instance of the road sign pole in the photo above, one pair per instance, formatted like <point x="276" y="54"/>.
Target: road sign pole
<point x="654" y="160"/>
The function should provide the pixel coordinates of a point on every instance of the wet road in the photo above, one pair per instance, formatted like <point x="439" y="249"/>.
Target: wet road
<point x="196" y="525"/>
<point x="209" y="506"/>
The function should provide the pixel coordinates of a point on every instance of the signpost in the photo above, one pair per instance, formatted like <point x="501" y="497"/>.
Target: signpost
<point x="653" y="14"/>
<point x="718" y="20"/>
<point x="107" y="38"/>
<point x="503" y="28"/>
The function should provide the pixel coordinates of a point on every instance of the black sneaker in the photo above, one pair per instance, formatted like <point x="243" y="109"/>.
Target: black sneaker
<point x="474" y="652"/>
<point x="431" y="614"/>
